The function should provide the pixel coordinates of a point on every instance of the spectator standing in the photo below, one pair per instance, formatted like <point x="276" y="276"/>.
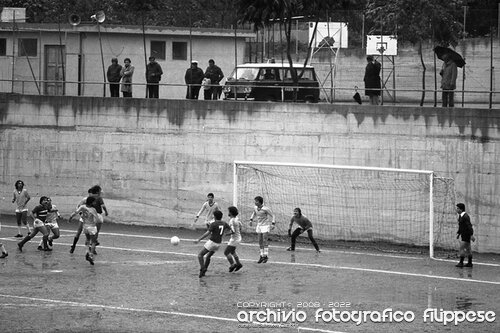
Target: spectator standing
<point x="372" y="80"/>
<point x="215" y="75"/>
<point x="448" y="81"/>
<point x="153" y="77"/>
<point x="114" y="76"/>
<point x="127" y="72"/>
<point x="193" y="78"/>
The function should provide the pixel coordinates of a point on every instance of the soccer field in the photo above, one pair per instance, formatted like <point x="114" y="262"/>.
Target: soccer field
<point x="142" y="283"/>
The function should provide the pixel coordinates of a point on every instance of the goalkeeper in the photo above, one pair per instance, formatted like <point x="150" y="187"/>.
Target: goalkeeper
<point x="304" y="225"/>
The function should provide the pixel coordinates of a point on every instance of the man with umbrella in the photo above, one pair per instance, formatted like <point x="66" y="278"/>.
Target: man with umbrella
<point x="448" y="80"/>
<point x="448" y="73"/>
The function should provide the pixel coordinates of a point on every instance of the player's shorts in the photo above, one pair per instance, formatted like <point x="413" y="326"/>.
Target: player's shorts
<point x="234" y="241"/>
<point x="52" y="225"/>
<point x="21" y="210"/>
<point x="90" y="230"/>
<point x="21" y="216"/>
<point x="262" y="229"/>
<point x="101" y="218"/>
<point x="212" y="246"/>
<point x="38" y="223"/>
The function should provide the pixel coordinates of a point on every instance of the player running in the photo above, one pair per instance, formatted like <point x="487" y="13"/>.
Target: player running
<point x="230" y="251"/>
<point x="210" y="206"/>
<point x="304" y="225"/>
<point x="216" y="230"/>
<point x="39" y="214"/>
<point x="2" y="247"/>
<point x="51" y="223"/>
<point x="265" y="223"/>
<point x="90" y="220"/>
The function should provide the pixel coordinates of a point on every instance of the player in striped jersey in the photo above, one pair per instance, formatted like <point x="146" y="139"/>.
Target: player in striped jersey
<point x="39" y="214"/>
<point x="216" y="230"/>
<point x="51" y="224"/>
<point x="265" y="223"/>
<point x="210" y="206"/>
<point x="21" y="198"/>
<point x="230" y="251"/>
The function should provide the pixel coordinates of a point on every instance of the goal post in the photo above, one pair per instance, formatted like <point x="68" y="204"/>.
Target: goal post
<point x="358" y="205"/>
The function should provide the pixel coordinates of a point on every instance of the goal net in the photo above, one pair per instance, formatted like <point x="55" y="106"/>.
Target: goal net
<point x="389" y="209"/>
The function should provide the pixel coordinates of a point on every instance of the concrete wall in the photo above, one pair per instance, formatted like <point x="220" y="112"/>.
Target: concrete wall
<point x="157" y="159"/>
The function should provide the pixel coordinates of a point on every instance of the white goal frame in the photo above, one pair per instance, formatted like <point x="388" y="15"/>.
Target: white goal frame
<point x="429" y="173"/>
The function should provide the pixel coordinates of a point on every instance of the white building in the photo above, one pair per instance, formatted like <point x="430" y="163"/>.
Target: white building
<point x="66" y="59"/>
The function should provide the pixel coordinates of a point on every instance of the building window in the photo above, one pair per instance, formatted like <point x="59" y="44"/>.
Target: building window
<point x="28" y="47"/>
<point x="3" y="46"/>
<point x="179" y="50"/>
<point x="158" y="50"/>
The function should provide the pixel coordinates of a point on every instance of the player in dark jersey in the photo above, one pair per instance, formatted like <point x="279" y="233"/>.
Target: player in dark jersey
<point x="39" y="214"/>
<point x="216" y="231"/>
<point x="304" y="225"/>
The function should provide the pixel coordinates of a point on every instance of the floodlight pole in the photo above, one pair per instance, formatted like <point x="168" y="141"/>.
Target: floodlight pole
<point x="235" y="185"/>
<point x="102" y="59"/>
<point x="431" y="215"/>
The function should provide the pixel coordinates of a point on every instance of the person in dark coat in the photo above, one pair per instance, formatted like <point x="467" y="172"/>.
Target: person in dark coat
<point x="215" y="75"/>
<point x="193" y="78"/>
<point x="448" y="81"/>
<point x="153" y="77"/>
<point x="372" y="80"/>
<point x="114" y="77"/>
<point x="467" y="233"/>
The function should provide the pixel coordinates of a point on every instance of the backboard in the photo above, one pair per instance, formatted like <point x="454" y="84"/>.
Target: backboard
<point x="378" y="45"/>
<point x="329" y="35"/>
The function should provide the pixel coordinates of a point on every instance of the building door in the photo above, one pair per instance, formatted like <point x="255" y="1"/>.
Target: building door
<point x="55" y="56"/>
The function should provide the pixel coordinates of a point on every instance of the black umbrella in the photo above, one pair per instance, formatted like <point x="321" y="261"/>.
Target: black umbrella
<point x="457" y="58"/>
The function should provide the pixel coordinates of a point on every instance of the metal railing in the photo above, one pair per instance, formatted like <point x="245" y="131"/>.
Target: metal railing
<point x="411" y="97"/>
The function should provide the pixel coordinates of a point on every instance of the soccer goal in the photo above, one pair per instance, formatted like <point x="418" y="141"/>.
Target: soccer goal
<point x="391" y="209"/>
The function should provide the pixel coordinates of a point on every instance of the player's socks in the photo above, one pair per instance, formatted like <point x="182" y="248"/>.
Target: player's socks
<point x="469" y="262"/>
<point x="4" y="251"/>
<point x="238" y="264"/>
<point x="89" y="258"/>
<point x="21" y="243"/>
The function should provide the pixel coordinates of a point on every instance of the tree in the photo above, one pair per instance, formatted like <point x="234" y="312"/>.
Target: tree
<point x="265" y="13"/>
<point x="417" y="21"/>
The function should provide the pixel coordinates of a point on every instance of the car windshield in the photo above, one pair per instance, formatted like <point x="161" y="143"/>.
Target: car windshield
<point x="245" y="73"/>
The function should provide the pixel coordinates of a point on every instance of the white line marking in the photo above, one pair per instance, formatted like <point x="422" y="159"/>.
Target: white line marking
<point x="309" y="265"/>
<point x="121" y="308"/>
<point x="256" y="245"/>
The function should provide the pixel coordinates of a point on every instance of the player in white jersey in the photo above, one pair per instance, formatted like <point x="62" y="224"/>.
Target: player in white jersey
<point x="230" y="251"/>
<point x="210" y="206"/>
<point x="265" y="223"/>
<point x="21" y="198"/>
<point x="90" y="220"/>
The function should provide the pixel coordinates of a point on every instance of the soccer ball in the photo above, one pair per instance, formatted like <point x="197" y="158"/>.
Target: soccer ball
<point x="175" y="240"/>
